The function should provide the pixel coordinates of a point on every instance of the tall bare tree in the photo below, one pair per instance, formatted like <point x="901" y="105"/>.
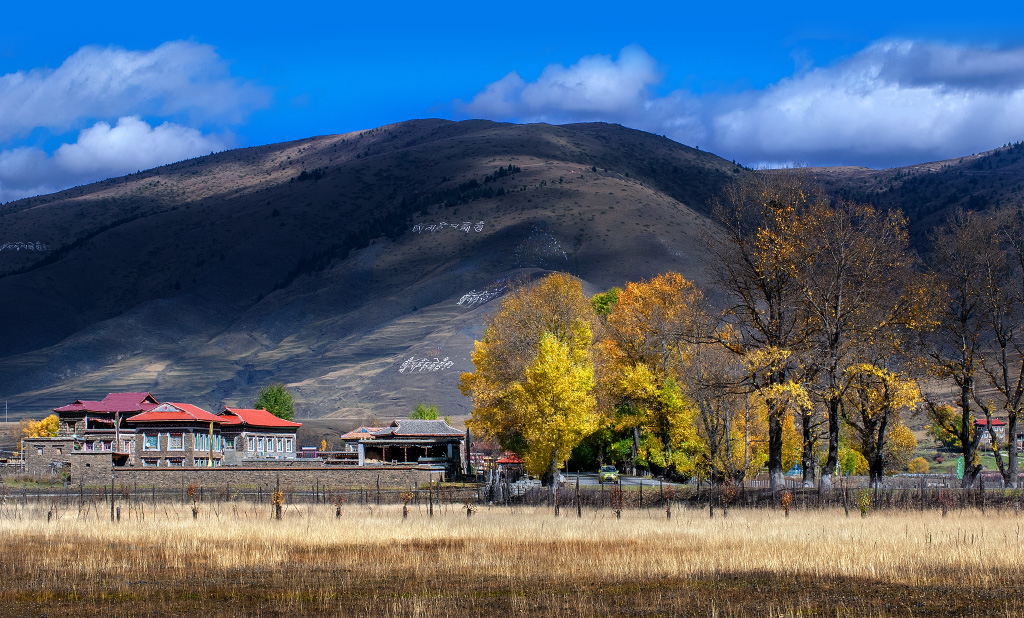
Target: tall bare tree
<point x="757" y="269"/>
<point x="963" y="252"/>
<point x="862" y="296"/>
<point x="1003" y="363"/>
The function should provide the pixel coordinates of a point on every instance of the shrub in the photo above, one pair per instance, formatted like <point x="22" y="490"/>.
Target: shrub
<point x="918" y="465"/>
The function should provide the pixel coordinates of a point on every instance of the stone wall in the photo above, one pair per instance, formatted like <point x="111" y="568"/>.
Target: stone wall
<point x="267" y="477"/>
<point x="46" y="456"/>
<point x="91" y="468"/>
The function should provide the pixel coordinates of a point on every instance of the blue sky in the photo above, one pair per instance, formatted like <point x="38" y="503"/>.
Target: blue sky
<point x="90" y="92"/>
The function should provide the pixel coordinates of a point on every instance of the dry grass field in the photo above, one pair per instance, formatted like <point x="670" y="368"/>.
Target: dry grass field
<point x="236" y="559"/>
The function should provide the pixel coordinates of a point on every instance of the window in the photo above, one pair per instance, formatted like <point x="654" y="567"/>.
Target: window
<point x="39" y="449"/>
<point x="148" y="462"/>
<point x="127" y="446"/>
<point x="199" y="462"/>
<point x="252" y="444"/>
<point x="270" y="445"/>
<point x="175" y="441"/>
<point x="107" y="445"/>
<point x="280" y="445"/>
<point x="229" y="443"/>
<point x="176" y="462"/>
<point x="151" y="442"/>
<point x="262" y="445"/>
<point x="60" y="450"/>
<point x="288" y="447"/>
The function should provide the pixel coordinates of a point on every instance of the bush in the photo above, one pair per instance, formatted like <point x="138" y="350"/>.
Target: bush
<point x="424" y="412"/>
<point x="918" y="465"/>
<point x="852" y="463"/>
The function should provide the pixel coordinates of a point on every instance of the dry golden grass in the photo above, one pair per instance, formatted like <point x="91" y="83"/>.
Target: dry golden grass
<point x="239" y="561"/>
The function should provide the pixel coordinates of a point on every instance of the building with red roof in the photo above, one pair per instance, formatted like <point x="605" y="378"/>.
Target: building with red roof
<point x="138" y="430"/>
<point x="254" y="433"/>
<point x="177" y="435"/>
<point x="998" y="427"/>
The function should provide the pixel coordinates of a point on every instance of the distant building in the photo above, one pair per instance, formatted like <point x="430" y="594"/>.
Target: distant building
<point x="406" y="441"/>
<point x="998" y="426"/>
<point x="138" y="431"/>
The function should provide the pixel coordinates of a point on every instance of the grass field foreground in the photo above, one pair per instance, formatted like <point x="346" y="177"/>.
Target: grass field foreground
<point x="239" y="560"/>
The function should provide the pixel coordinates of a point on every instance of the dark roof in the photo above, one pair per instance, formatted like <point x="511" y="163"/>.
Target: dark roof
<point x="415" y="428"/>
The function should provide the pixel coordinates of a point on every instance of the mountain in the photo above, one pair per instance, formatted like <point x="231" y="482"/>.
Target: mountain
<point x="333" y="264"/>
<point x="928" y="192"/>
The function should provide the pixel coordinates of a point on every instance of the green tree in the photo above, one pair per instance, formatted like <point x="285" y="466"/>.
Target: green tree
<point x="604" y="302"/>
<point x="424" y="412"/>
<point x="276" y="399"/>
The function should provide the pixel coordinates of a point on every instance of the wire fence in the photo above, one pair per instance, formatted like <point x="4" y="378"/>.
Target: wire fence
<point x="932" y="492"/>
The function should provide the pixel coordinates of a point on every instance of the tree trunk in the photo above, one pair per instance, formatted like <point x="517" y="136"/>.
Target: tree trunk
<point x="968" y="447"/>
<point x="876" y="468"/>
<point x="832" y="459"/>
<point x="553" y="472"/>
<point x="807" y="454"/>
<point x="775" y="471"/>
<point x="1011" y="450"/>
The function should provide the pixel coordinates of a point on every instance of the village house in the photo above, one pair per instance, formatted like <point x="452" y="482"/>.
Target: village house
<point x="176" y="435"/>
<point x="135" y="430"/>
<point x="405" y="441"/>
<point x="128" y="432"/>
<point x="998" y="427"/>
<point x="257" y="434"/>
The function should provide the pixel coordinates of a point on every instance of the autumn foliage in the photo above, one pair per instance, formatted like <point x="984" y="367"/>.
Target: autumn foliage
<point x="811" y="357"/>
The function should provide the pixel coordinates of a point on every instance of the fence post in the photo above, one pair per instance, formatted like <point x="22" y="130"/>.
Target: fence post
<point x="579" y="507"/>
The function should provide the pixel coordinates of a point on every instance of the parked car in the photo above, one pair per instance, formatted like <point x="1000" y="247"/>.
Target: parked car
<point x="608" y="474"/>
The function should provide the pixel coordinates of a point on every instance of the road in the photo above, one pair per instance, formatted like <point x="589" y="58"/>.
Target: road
<point x="590" y="478"/>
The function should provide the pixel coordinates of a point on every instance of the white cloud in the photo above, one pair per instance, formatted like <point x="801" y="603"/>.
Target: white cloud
<point x="101" y="151"/>
<point x="177" y="78"/>
<point x="596" y="87"/>
<point x="895" y="102"/>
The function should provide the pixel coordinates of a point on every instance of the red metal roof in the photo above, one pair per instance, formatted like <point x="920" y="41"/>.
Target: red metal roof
<point x="510" y="458"/>
<point x="256" y="418"/>
<point x="113" y="402"/>
<point x="995" y="422"/>
<point x="78" y="406"/>
<point x="174" y="412"/>
<point x="129" y="402"/>
<point x="362" y="432"/>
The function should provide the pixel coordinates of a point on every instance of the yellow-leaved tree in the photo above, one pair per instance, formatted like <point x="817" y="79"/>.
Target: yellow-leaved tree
<point x="532" y="388"/>
<point x="662" y="417"/>
<point x="874" y="399"/>
<point x="554" y="406"/>
<point x="44" y="428"/>
<point x="652" y="330"/>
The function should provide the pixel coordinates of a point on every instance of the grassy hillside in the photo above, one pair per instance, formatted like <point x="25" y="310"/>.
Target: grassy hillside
<point x="330" y="262"/>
